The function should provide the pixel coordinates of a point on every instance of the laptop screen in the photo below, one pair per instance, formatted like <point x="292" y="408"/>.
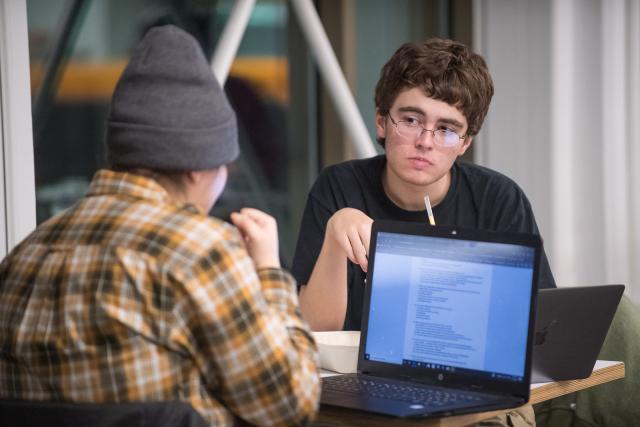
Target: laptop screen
<point x="451" y="305"/>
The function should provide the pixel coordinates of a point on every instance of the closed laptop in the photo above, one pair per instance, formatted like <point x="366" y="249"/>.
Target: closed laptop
<point x="571" y="325"/>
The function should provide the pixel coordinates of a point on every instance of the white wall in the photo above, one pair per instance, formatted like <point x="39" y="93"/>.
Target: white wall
<point x="17" y="187"/>
<point x="564" y="125"/>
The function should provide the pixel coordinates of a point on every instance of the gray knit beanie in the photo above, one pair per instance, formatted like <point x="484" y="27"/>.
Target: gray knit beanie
<point x="168" y="112"/>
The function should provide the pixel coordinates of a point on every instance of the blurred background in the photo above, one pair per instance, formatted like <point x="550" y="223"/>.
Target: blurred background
<point x="564" y="122"/>
<point x="288" y="129"/>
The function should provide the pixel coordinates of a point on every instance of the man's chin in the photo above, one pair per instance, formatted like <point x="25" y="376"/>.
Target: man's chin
<point x="419" y="181"/>
<point x="418" y="178"/>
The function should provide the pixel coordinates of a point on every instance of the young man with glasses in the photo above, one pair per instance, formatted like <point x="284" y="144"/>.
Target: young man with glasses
<point x="431" y="100"/>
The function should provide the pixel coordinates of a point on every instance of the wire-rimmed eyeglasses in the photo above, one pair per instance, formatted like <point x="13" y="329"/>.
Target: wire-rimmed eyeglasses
<point x="413" y="130"/>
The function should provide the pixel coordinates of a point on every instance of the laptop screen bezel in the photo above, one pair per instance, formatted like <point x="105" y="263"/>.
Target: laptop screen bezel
<point x="437" y="377"/>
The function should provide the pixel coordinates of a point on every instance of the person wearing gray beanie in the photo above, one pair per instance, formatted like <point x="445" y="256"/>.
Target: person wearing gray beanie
<point x="143" y="296"/>
<point x="168" y="111"/>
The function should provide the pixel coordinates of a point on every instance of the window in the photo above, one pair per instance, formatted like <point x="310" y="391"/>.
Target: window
<point x="78" y="51"/>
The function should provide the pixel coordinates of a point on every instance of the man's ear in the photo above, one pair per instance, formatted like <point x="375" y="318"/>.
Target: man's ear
<point x="466" y="143"/>
<point x="381" y="122"/>
<point x="192" y="177"/>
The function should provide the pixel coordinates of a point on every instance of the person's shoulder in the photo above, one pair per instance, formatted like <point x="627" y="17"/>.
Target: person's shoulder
<point x="353" y="167"/>
<point x="483" y="177"/>
<point x="200" y="241"/>
<point x="343" y="175"/>
<point x="203" y="231"/>
<point x="492" y="191"/>
<point x="53" y="228"/>
<point x="342" y="181"/>
<point x="178" y="236"/>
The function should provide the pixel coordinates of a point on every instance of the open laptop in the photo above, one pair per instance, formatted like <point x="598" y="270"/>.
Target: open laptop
<point x="447" y="322"/>
<point x="571" y="325"/>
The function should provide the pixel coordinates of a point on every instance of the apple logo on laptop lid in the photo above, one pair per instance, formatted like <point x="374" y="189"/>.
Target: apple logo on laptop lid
<point x="541" y="336"/>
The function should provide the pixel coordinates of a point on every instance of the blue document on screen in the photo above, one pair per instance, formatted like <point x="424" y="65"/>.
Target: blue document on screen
<point x="467" y="304"/>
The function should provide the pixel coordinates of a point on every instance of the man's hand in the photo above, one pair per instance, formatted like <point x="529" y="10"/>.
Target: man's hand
<point x="351" y="229"/>
<point x="260" y="234"/>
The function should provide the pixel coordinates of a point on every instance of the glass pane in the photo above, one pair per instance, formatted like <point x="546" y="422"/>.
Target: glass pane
<point x="71" y="93"/>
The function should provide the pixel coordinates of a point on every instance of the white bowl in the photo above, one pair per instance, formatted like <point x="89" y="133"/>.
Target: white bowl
<point x="338" y="350"/>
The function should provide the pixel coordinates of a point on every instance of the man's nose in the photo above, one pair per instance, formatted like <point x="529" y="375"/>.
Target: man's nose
<point x="426" y="138"/>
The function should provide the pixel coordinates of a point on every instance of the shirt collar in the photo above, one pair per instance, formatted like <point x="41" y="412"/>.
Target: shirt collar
<point x="108" y="182"/>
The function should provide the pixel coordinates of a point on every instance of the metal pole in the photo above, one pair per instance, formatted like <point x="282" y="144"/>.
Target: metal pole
<point x="333" y="77"/>
<point x="230" y="38"/>
<point x="444" y="18"/>
<point x="55" y="64"/>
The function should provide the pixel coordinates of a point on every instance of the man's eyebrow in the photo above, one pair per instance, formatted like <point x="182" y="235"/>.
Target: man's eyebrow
<point x="412" y="110"/>
<point x="450" y="121"/>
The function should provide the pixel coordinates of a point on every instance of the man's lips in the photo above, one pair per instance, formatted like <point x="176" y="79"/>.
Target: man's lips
<point x="420" y="162"/>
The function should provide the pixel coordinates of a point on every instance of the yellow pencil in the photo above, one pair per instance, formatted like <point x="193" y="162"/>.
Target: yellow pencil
<point x="427" y="203"/>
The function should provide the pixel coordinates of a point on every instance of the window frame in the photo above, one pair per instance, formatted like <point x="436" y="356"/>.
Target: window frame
<point x="17" y="175"/>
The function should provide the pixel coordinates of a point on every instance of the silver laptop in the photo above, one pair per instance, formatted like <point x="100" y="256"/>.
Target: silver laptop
<point x="571" y="325"/>
<point x="447" y="323"/>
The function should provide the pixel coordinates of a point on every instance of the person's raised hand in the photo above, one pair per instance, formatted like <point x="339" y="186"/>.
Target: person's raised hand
<point x="351" y="229"/>
<point x="260" y="233"/>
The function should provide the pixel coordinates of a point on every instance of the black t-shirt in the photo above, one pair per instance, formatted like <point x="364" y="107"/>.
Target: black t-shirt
<point x="477" y="198"/>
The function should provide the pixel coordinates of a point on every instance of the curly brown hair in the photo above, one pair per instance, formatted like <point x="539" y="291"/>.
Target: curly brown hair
<point x="445" y="70"/>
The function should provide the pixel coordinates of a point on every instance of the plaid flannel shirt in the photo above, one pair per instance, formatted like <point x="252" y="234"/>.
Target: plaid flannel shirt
<point x="128" y="297"/>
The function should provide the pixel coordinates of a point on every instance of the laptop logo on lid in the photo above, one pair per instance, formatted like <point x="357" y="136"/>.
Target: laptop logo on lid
<point x="541" y="336"/>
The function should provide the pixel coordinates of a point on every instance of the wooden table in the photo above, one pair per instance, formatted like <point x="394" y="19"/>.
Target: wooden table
<point x="603" y="372"/>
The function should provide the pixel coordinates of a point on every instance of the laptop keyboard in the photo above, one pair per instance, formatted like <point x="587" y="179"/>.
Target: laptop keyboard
<point x="424" y="395"/>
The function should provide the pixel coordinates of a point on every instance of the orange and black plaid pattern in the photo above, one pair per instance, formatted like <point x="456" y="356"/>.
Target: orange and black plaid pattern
<point x="128" y="297"/>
